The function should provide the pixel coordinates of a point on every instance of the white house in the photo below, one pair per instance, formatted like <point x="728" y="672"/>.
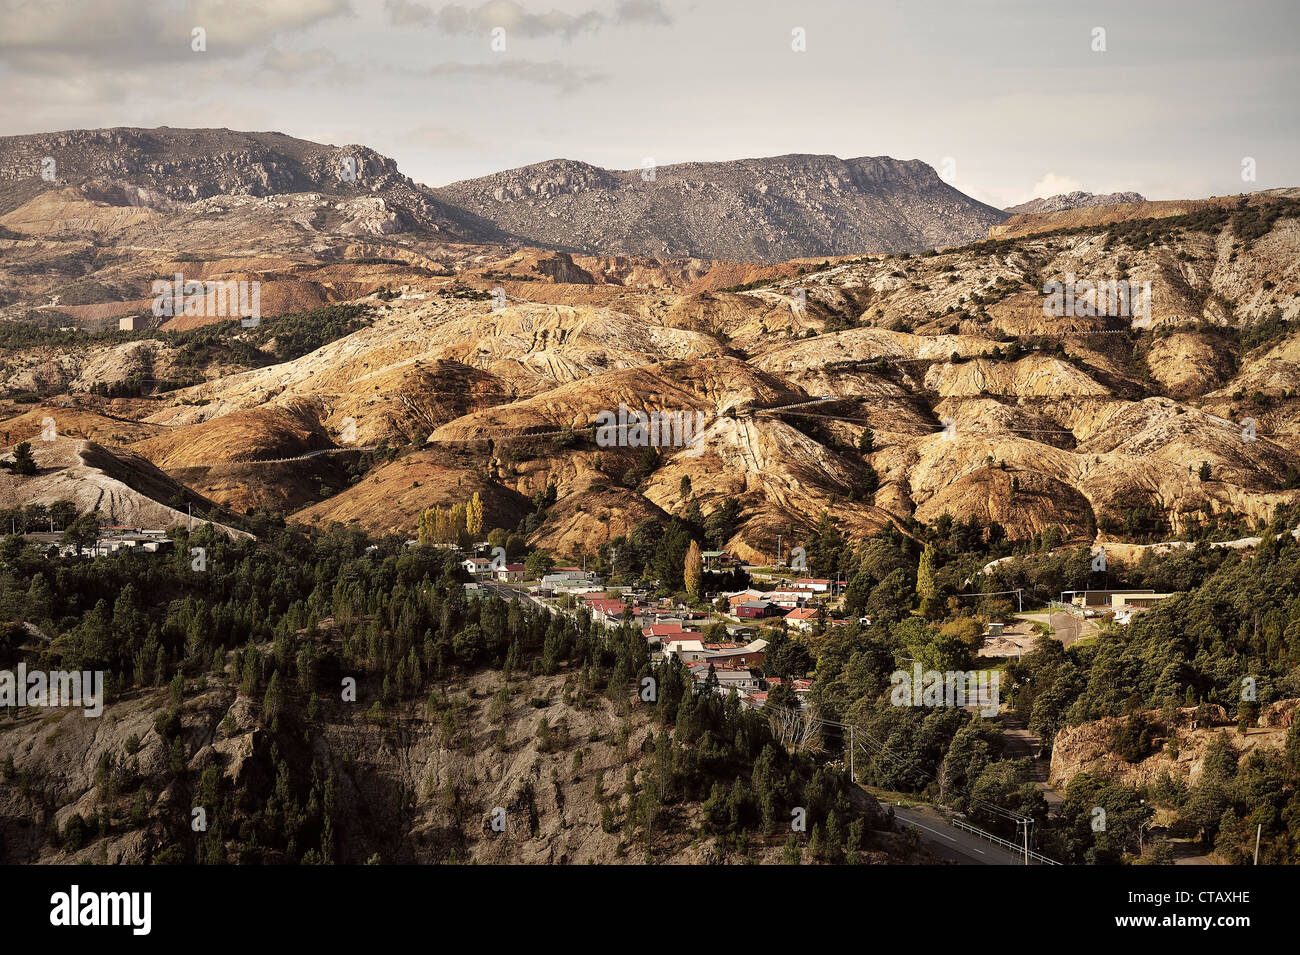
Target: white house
<point x="801" y="618"/>
<point x="510" y="573"/>
<point x="817" y="584"/>
<point x="689" y="651"/>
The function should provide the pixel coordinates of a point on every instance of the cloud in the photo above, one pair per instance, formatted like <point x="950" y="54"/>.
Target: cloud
<point x="297" y="62"/>
<point x="72" y="35"/>
<point x="404" y="13"/>
<point x="540" y="73"/>
<point x="256" y="22"/>
<point x="646" y="12"/>
<point x="462" y="20"/>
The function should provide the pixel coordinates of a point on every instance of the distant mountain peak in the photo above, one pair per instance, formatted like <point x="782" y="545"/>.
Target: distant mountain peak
<point x="758" y="210"/>
<point x="1074" y="200"/>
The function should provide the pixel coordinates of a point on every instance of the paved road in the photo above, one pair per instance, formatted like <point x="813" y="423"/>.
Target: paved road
<point x="508" y="593"/>
<point x="950" y="843"/>
<point x="1066" y="627"/>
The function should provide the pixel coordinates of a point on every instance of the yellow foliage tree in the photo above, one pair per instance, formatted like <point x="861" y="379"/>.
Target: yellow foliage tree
<point x="427" y="534"/>
<point x="456" y="524"/>
<point x="474" y="516"/>
<point x="694" y="570"/>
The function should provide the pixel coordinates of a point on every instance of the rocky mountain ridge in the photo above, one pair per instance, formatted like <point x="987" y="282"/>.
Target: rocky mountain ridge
<point x="763" y="210"/>
<point x="1074" y="200"/>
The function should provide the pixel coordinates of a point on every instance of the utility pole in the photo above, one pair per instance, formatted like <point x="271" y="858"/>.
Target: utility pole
<point x="1258" y="829"/>
<point x="853" y="778"/>
<point x="779" y="552"/>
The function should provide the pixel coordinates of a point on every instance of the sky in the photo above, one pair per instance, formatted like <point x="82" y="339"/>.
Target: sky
<point x="1008" y="100"/>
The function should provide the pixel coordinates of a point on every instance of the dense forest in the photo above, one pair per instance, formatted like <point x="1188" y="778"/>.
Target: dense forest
<point x="290" y="616"/>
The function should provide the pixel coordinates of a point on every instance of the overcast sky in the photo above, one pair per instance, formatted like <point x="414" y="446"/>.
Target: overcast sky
<point x="1009" y="99"/>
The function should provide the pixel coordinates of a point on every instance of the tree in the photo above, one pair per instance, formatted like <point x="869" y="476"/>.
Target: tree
<point x="538" y="564"/>
<point x="83" y="532"/>
<point x="1204" y="473"/>
<point x="870" y="482"/>
<point x="694" y="571"/>
<point x="63" y="513"/>
<point x="793" y="852"/>
<point x="425" y="526"/>
<point x="927" y="587"/>
<point x="456" y="529"/>
<point x="24" y="463"/>
<point x="474" y="516"/>
<point x="273" y="702"/>
<point x="867" y="441"/>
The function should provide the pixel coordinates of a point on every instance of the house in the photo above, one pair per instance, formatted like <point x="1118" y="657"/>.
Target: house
<point x="571" y="580"/>
<point x="106" y="544"/>
<point x="658" y="635"/>
<point x="510" y="573"/>
<point x="756" y="609"/>
<point x="740" y="679"/>
<point x="714" y="559"/>
<point x="568" y="575"/>
<point x="478" y="565"/>
<point x="133" y="323"/>
<point x="801" y="618"/>
<point x="1128" y="604"/>
<point x="792" y="596"/>
<point x="814" y="583"/>
<point x="687" y="650"/>
<point x="740" y="596"/>
<point x="1143" y="600"/>
<point x="747" y="655"/>
<point x="607" y="611"/>
<point x="1098" y="598"/>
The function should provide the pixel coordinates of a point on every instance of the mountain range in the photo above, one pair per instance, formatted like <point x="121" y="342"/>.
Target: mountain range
<point x="760" y="210"/>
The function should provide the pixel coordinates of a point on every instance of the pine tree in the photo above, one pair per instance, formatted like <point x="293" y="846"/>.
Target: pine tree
<point x="793" y="854"/>
<point x="24" y="463"/>
<point x="273" y="702"/>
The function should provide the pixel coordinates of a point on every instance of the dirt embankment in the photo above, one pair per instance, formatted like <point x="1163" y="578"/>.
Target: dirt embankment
<point x="1087" y="748"/>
